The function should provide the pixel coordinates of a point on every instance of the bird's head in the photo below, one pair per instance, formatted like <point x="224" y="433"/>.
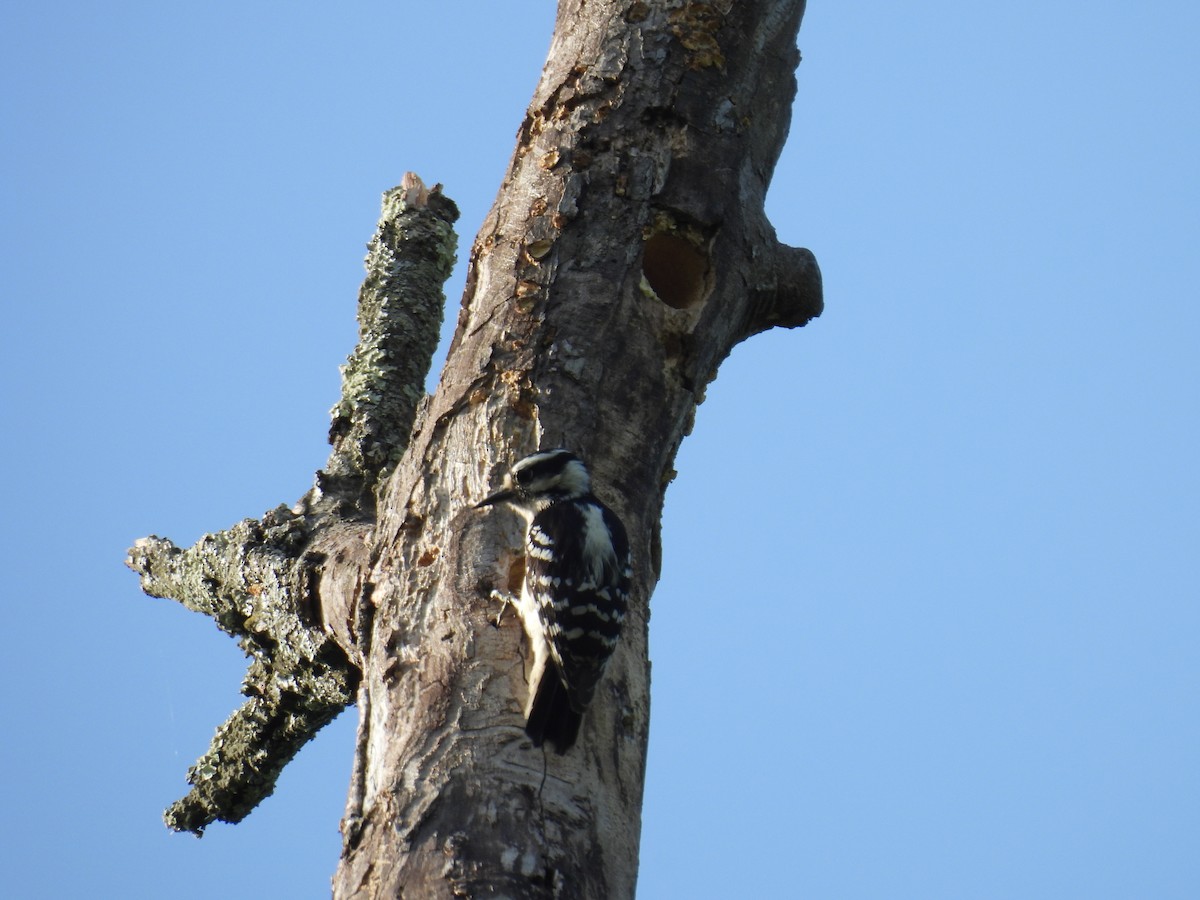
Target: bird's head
<point x="541" y="479"/>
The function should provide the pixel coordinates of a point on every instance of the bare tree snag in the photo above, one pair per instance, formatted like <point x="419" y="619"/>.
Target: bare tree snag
<point x="628" y="251"/>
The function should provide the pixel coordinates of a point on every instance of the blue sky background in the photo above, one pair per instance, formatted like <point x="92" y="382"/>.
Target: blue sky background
<point x="928" y="620"/>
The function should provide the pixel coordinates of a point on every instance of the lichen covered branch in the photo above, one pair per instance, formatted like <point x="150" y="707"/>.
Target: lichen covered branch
<point x="262" y="581"/>
<point x="399" y="318"/>
<point x="255" y="581"/>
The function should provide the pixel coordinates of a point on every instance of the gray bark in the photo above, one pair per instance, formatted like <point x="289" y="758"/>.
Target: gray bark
<point x="626" y="254"/>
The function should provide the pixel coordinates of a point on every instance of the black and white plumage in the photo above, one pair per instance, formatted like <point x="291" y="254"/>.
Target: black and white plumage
<point x="576" y="588"/>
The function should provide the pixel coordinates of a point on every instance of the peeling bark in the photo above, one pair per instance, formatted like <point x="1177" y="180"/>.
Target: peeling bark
<point x="627" y="253"/>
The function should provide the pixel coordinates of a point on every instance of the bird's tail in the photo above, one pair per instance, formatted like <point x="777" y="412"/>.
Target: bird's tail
<point x="551" y="717"/>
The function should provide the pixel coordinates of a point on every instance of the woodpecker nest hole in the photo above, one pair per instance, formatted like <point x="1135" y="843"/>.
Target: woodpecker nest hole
<point x="676" y="270"/>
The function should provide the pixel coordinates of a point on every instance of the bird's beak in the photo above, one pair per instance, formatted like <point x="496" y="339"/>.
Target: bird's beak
<point x="498" y="497"/>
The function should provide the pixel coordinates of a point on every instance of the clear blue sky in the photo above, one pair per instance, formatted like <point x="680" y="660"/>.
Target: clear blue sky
<point x="928" y="622"/>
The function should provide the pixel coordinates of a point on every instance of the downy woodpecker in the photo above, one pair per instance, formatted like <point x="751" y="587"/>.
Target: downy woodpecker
<point x="576" y="588"/>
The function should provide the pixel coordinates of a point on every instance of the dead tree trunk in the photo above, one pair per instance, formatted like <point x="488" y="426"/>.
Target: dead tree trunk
<point x="627" y="253"/>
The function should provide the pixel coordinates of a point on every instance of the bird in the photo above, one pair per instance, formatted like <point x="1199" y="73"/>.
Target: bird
<point x="575" y="591"/>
